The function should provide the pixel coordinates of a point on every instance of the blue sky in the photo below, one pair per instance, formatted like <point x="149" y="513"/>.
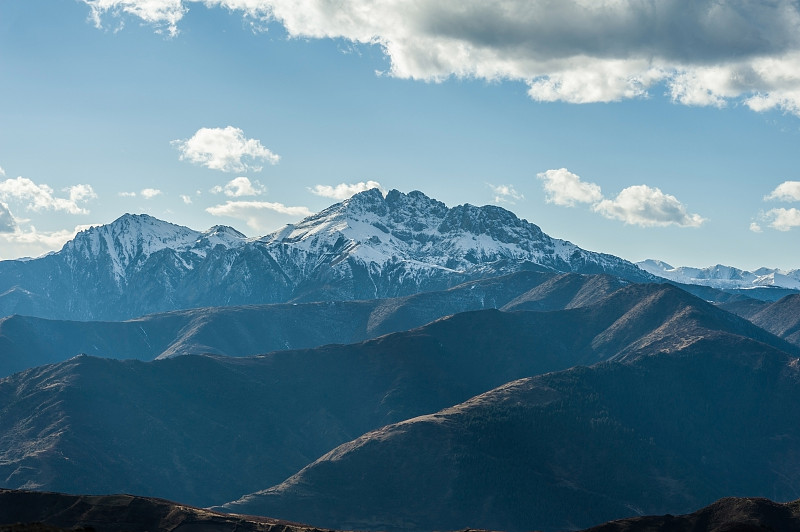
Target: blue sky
<point x="664" y="130"/>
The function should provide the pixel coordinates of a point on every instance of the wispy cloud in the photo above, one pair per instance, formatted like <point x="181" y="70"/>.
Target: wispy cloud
<point x="127" y="194"/>
<point x="344" y="190"/>
<point x="505" y="194"/>
<point x="786" y="191"/>
<point x="636" y="205"/>
<point x="224" y="149"/>
<point x="704" y="52"/>
<point x="240" y="186"/>
<point x="251" y="212"/>
<point x="37" y="197"/>
<point x="186" y="199"/>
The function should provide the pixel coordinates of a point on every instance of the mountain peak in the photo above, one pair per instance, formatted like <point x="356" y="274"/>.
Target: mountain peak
<point x="128" y="239"/>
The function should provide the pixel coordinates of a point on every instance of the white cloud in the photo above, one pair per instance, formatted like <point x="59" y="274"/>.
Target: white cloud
<point x="786" y="191"/>
<point x="2" y="172"/>
<point x="782" y="219"/>
<point x="646" y="206"/>
<point x="38" y="197"/>
<point x="163" y="14"/>
<point x="240" y="186"/>
<point x="344" y="190"/>
<point x="33" y="243"/>
<point x="252" y="211"/>
<point x="505" y="194"/>
<point x="637" y="205"/>
<point x="150" y="193"/>
<point x="127" y="194"/>
<point x="566" y="189"/>
<point x="224" y="149"/>
<point x="754" y="227"/>
<point x="706" y="52"/>
<point x="7" y="222"/>
<point x="186" y="199"/>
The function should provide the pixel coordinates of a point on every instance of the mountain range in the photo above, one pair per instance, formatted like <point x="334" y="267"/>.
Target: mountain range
<point x="203" y="429"/>
<point x="368" y="246"/>
<point x="724" y="277"/>
<point x="27" y="342"/>
<point x="31" y="511"/>
<point x="393" y="364"/>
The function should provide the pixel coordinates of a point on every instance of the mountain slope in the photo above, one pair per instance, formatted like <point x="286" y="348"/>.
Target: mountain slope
<point x="726" y="515"/>
<point x="781" y="318"/>
<point x="368" y="246"/>
<point x="128" y="513"/>
<point x="208" y="429"/>
<point x="664" y="433"/>
<point x="26" y="342"/>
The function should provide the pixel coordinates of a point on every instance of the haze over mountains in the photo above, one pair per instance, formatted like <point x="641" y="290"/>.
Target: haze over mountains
<point x="407" y="367"/>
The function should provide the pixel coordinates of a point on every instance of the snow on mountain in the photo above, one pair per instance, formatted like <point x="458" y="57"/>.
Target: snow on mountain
<point x="424" y="233"/>
<point x="723" y="277"/>
<point x="131" y="239"/>
<point x="368" y="246"/>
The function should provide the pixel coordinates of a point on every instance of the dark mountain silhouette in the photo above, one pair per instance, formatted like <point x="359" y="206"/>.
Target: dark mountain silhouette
<point x="730" y="514"/>
<point x="48" y="512"/>
<point x="660" y="434"/>
<point x="208" y="429"/>
<point x="30" y="511"/>
<point x="781" y="318"/>
<point x="27" y="342"/>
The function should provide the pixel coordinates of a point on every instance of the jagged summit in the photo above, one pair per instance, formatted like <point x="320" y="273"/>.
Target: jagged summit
<point x="368" y="246"/>
<point x="414" y="228"/>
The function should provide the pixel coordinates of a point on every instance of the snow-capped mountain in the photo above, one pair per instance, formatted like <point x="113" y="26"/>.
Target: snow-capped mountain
<point x="724" y="277"/>
<point x="128" y="243"/>
<point x="368" y="246"/>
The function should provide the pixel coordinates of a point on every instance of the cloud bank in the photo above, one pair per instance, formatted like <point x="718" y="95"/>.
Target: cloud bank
<point x="224" y="149"/>
<point x="701" y="52"/>
<point x="636" y="205"/>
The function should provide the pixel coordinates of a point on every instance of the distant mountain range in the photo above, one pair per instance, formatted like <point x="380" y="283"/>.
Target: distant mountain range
<point x="724" y="277"/>
<point x="368" y="246"/>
